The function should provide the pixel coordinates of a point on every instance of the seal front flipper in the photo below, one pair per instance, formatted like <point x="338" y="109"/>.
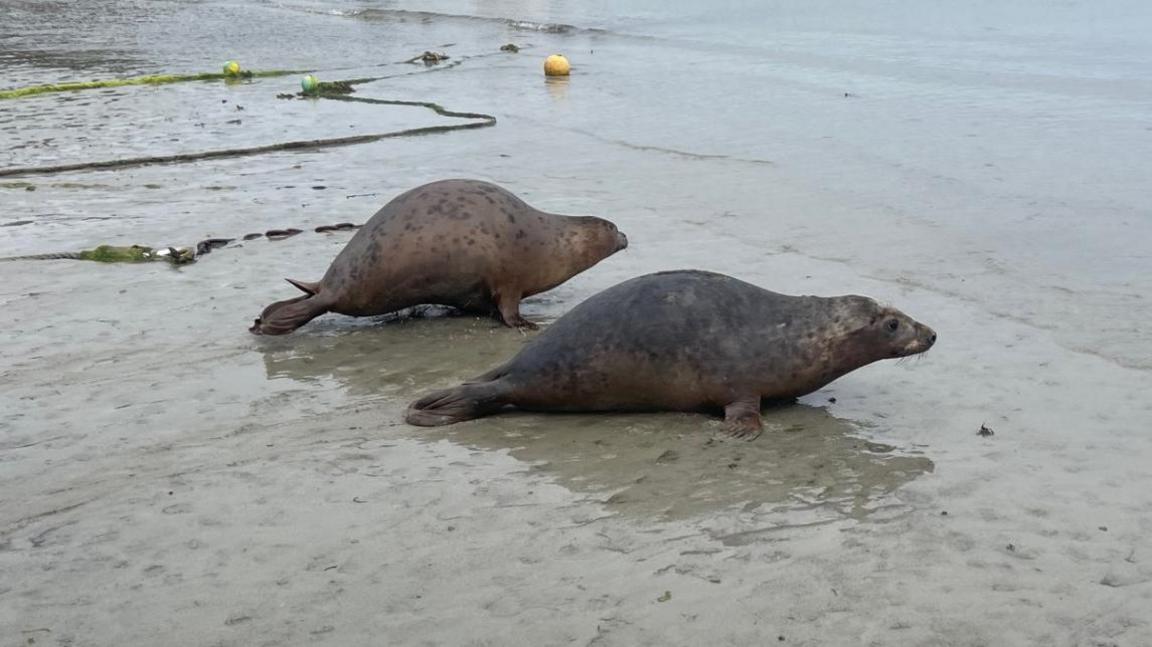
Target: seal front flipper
<point x="508" y="305"/>
<point x="742" y="418"/>
<point x="283" y="317"/>
<point x="465" y="402"/>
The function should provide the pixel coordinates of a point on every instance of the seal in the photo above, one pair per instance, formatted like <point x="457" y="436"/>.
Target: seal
<point x="685" y="341"/>
<point x="462" y="243"/>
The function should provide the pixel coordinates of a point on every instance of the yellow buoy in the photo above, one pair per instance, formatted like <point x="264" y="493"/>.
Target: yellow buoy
<point x="309" y="84"/>
<point x="232" y="68"/>
<point x="556" y="65"/>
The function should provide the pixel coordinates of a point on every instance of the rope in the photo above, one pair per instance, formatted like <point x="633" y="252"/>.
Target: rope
<point x="174" y="255"/>
<point x="487" y="120"/>
<point x="337" y="88"/>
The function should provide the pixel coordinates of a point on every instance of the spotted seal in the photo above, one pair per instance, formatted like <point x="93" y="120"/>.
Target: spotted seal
<point x="685" y="341"/>
<point x="463" y="243"/>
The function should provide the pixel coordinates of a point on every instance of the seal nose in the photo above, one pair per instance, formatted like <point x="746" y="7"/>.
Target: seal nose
<point x="621" y="241"/>
<point x="929" y="335"/>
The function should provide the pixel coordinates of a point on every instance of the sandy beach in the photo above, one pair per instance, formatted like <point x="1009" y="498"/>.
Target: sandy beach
<point x="168" y="478"/>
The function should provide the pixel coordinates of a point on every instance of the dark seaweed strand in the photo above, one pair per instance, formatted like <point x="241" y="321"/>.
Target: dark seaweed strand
<point x="485" y="121"/>
<point x="203" y="247"/>
<point x="45" y="257"/>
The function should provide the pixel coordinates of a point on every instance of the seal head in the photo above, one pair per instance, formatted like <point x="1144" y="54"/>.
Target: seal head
<point x="873" y="331"/>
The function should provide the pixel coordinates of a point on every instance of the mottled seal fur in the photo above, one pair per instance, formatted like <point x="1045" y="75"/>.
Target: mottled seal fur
<point x="685" y="341"/>
<point x="461" y="243"/>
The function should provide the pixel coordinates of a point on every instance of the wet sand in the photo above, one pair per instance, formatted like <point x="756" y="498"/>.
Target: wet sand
<point x="167" y="478"/>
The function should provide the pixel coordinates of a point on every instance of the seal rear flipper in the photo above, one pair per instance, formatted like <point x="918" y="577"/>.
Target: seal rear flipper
<point x="304" y="286"/>
<point x="283" y="317"/>
<point x="464" y="402"/>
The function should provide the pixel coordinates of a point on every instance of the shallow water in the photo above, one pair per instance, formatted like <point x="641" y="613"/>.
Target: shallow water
<point x="982" y="168"/>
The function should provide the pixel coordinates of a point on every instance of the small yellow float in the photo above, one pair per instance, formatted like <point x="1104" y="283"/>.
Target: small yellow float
<point x="556" y="65"/>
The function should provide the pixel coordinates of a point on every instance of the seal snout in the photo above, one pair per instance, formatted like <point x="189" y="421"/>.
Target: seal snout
<point x="928" y="335"/>
<point x="925" y="339"/>
<point x="621" y="241"/>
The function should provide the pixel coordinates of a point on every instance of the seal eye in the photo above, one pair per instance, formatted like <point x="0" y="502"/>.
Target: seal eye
<point x="892" y="325"/>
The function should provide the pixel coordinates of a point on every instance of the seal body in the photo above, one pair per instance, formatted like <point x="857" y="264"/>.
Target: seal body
<point x="462" y="243"/>
<point x="685" y="341"/>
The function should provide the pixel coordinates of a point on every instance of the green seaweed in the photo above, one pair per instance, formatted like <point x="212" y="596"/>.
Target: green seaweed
<point x="115" y="254"/>
<point x="137" y="254"/>
<point x="155" y="79"/>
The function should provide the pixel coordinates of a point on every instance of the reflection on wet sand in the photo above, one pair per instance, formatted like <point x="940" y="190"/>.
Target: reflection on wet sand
<point x="679" y="465"/>
<point x="391" y="356"/>
<point x="664" y="465"/>
<point x="557" y="88"/>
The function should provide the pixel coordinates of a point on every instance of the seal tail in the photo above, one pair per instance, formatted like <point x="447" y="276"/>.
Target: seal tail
<point x="283" y="317"/>
<point x="465" y="402"/>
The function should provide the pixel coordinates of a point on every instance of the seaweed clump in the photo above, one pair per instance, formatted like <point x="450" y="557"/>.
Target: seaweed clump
<point x="115" y="254"/>
<point x="136" y="254"/>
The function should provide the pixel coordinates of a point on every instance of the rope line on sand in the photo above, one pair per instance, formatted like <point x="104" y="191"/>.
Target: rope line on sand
<point x="173" y="255"/>
<point x="480" y="120"/>
<point x="485" y="121"/>
<point x="336" y="90"/>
